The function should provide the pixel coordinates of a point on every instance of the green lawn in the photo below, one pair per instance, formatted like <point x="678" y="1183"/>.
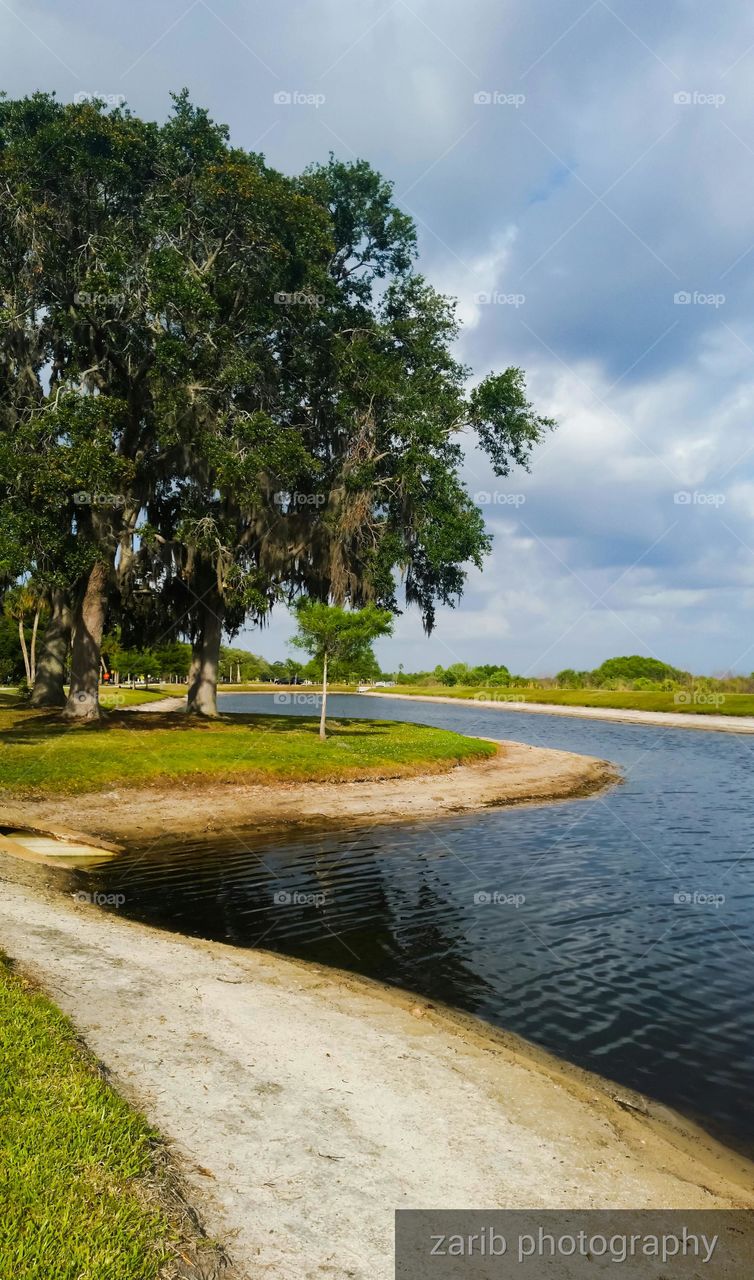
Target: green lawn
<point x="111" y="698"/>
<point x="81" y="1182"/>
<point x="698" y="703"/>
<point x="40" y="754"/>
<point x="114" y="697"/>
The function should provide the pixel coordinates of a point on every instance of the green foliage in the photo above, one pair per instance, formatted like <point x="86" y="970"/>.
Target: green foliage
<point x="636" y="667"/>
<point x="342" y="638"/>
<point x="460" y="673"/>
<point x="11" y="659"/>
<point x="634" y="672"/>
<point x="185" y="335"/>
<point x="570" y="679"/>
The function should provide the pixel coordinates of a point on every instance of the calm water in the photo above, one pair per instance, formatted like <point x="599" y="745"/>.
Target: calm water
<point x="570" y="924"/>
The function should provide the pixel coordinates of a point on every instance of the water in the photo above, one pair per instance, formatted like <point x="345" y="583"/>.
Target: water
<point x="592" y="948"/>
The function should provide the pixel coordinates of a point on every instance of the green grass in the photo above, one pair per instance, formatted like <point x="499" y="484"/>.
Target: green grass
<point x="110" y="697"/>
<point x="41" y="755"/>
<point x="77" y="1164"/>
<point x="725" y="704"/>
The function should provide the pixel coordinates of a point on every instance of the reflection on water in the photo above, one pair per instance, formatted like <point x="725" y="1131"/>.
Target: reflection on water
<point x="617" y="931"/>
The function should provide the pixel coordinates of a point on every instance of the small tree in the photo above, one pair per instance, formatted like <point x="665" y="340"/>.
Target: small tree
<point x="18" y="603"/>
<point x="334" y="635"/>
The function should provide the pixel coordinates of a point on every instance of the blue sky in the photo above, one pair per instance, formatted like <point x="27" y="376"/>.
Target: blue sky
<point x="582" y="177"/>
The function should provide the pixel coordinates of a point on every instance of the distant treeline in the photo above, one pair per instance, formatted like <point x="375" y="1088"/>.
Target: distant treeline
<point x="625" y="673"/>
<point x="171" y="661"/>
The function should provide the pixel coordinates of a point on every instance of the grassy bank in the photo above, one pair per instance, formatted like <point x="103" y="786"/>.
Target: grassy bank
<point x="83" y="1196"/>
<point x="41" y="755"/>
<point x="699" y="703"/>
<point x="111" y="698"/>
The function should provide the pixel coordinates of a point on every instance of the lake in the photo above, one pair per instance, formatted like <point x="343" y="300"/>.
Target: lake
<point x="616" y="931"/>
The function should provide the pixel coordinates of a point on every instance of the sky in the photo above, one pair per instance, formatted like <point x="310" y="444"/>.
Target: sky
<point x="582" y="179"/>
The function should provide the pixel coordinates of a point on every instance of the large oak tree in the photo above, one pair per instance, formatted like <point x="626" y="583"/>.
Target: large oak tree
<point x="245" y="376"/>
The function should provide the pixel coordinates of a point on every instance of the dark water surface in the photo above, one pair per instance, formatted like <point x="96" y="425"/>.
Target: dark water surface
<point x="595" y="947"/>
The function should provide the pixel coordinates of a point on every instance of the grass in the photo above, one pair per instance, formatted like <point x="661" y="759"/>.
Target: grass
<point x="115" y="697"/>
<point x="110" y="698"/>
<point x="81" y="1183"/>
<point x="700" y="702"/>
<point x="41" y="755"/>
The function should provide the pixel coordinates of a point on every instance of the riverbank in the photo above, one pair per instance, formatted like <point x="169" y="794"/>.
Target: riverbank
<point x="515" y="774"/>
<point x="305" y="1104"/>
<point x="662" y="719"/>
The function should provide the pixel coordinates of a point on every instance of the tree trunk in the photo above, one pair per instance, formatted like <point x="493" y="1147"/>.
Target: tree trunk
<point x="88" y="622"/>
<point x="205" y="661"/>
<point x="194" y="670"/>
<point x="33" y="654"/>
<point x="24" y="650"/>
<point x="323" y="715"/>
<point x="50" y="676"/>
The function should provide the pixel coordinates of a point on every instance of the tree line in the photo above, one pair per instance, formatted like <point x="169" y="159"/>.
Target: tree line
<point x="221" y="388"/>
<point x="633" y="671"/>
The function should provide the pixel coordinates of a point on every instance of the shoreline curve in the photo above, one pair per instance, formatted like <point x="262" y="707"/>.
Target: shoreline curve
<point x="517" y="775"/>
<point x="305" y="1104"/>
<point x="659" y="719"/>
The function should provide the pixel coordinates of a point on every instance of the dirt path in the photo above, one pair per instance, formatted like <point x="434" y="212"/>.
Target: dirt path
<point x="663" y="719"/>
<point x="307" y="1105"/>
<point x="161" y="704"/>
<point x="518" y="774"/>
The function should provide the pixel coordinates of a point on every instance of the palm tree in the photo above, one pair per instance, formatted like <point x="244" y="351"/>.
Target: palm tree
<point x="19" y="602"/>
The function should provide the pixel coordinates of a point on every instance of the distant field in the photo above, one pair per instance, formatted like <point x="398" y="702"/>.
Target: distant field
<point x="701" y="703"/>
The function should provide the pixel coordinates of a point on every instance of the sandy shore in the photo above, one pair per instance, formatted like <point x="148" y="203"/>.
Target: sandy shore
<point x="305" y="1105"/>
<point x="518" y="774"/>
<point x="663" y="719"/>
